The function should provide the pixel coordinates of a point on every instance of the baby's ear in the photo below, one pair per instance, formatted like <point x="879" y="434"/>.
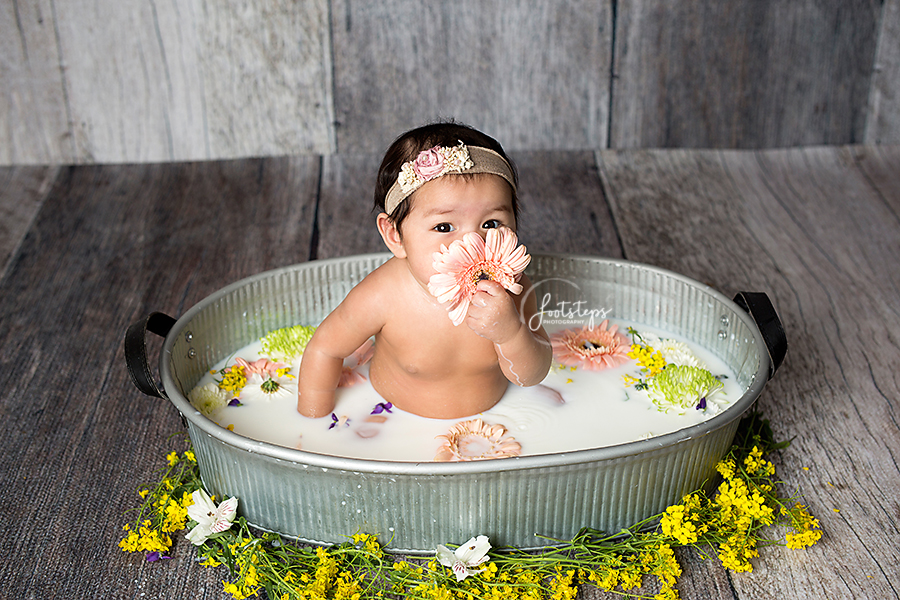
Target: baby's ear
<point x="391" y="235"/>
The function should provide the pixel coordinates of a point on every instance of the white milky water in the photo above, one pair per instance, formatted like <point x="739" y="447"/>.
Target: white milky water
<point x="597" y="410"/>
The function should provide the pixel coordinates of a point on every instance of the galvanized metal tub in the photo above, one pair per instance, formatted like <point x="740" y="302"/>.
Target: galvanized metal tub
<point x="416" y="506"/>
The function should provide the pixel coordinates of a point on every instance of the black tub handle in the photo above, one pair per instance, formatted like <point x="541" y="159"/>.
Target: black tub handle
<point x="136" y="351"/>
<point x="763" y="312"/>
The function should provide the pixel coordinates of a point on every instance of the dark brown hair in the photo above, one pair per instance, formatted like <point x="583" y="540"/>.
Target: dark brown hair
<point x="408" y="146"/>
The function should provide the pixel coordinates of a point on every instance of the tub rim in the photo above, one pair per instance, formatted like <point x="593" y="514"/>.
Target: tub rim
<point x="429" y="468"/>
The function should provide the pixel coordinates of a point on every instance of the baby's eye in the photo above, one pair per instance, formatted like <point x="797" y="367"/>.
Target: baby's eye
<point x="492" y="224"/>
<point x="443" y="227"/>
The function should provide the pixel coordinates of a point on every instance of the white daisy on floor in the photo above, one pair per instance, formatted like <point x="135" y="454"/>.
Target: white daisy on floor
<point x="463" y="560"/>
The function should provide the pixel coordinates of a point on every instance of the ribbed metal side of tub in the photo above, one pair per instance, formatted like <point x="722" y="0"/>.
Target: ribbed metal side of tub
<point x="415" y="512"/>
<point x="416" y="506"/>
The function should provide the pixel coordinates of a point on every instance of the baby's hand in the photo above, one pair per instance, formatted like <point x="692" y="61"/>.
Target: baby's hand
<point x="492" y="313"/>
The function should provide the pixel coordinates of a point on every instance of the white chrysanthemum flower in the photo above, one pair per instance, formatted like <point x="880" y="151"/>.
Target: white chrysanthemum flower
<point x="678" y="353"/>
<point x="208" y="398"/>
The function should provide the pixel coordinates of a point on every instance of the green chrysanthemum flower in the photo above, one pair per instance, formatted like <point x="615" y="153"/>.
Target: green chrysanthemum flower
<point x="287" y="343"/>
<point x="682" y="386"/>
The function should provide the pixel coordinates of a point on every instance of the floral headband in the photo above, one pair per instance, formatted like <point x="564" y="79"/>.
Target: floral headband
<point x="440" y="160"/>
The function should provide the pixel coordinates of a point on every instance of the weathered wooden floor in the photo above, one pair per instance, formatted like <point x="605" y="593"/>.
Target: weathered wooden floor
<point x="85" y="251"/>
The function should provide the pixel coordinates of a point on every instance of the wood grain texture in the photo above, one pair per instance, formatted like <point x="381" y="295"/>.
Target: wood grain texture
<point x="563" y="207"/>
<point x="34" y="114"/>
<point x="267" y="74"/>
<point x="818" y="231"/>
<point x="883" y="120"/>
<point x="106" y="81"/>
<point x="742" y="74"/>
<point x="22" y="191"/>
<point x="346" y="221"/>
<point x="533" y="75"/>
<point x="111" y="82"/>
<point x="109" y="245"/>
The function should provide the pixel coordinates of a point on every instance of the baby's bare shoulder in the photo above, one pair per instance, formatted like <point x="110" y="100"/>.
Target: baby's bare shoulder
<point x="382" y="281"/>
<point x="368" y="299"/>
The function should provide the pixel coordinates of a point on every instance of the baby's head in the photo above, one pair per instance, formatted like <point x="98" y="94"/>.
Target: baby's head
<point x="397" y="203"/>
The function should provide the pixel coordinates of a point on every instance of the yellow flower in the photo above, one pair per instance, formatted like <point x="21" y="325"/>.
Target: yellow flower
<point x="756" y="465"/>
<point x="233" y="379"/>
<point x="667" y="593"/>
<point x="726" y="468"/>
<point x="806" y="527"/>
<point x="130" y="542"/>
<point x="146" y="539"/>
<point x="736" y="552"/>
<point x="629" y="381"/>
<point x="630" y="578"/>
<point x="172" y="458"/>
<point x="563" y="585"/>
<point x="740" y="507"/>
<point x="795" y="541"/>
<point x="650" y="360"/>
<point x="189" y="456"/>
<point x="251" y="579"/>
<point x="236" y="592"/>
<point x="176" y="516"/>
<point x="674" y="524"/>
<point x="666" y="567"/>
<point x="606" y="580"/>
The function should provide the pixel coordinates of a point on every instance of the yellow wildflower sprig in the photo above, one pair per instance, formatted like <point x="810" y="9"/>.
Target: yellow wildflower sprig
<point x="163" y="510"/>
<point x="650" y="361"/>
<point x="729" y="523"/>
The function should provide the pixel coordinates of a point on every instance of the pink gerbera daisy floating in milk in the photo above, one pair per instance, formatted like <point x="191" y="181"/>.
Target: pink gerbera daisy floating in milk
<point x="594" y="348"/>
<point x="472" y="259"/>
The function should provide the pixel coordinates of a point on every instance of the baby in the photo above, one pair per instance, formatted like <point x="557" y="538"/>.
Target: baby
<point x="423" y="363"/>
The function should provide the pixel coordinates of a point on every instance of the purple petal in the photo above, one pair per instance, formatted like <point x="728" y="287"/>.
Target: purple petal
<point x="234" y="402"/>
<point x="381" y="407"/>
<point x="702" y="404"/>
<point x="155" y="556"/>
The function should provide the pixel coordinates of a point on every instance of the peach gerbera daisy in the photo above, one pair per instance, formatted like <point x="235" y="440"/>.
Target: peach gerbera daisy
<point x="261" y="367"/>
<point x="594" y="348"/>
<point x="472" y="259"/>
<point x="476" y="440"/>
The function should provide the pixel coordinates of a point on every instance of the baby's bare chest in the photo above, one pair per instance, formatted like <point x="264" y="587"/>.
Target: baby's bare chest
<point x="424" y="348"/>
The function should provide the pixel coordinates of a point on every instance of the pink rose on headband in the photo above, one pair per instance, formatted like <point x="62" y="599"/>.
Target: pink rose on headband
<point x="429" y="163"/>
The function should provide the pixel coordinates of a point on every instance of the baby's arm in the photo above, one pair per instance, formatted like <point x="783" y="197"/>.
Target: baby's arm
<point x="353" y="322"/>
<point x="524" y="355"/>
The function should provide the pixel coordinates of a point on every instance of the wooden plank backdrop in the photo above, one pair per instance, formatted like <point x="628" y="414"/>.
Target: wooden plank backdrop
<point x="110" y="82"/>
<point x="883" y="121"/>
<point x="742" y="74"/>
<point x="107" y="81"/>
<point x="93" y="248"/>
<point x="533" y="74"/>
